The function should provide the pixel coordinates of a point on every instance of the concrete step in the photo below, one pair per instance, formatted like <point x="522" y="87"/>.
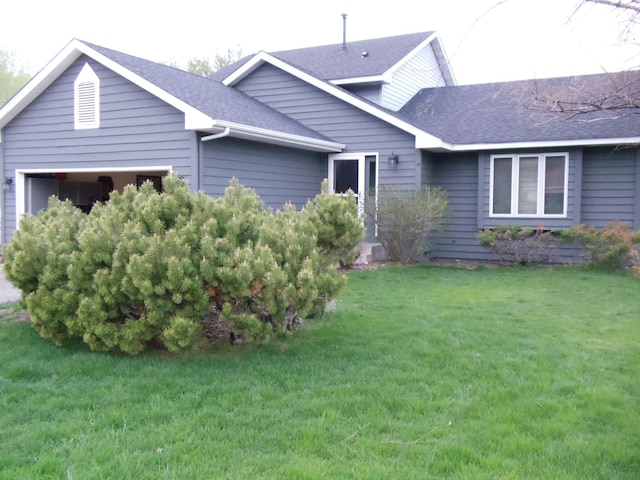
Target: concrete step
<point x="370" y="252"/>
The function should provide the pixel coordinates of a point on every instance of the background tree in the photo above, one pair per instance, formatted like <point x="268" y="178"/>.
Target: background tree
<point x="12" y="76"/>
<point x="206" y="66"/>
<point x="628" y="9"/>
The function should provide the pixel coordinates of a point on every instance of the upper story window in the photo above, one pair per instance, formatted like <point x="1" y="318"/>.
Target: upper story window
<point x="529" y="185"/>
<point x="86" y="91"/>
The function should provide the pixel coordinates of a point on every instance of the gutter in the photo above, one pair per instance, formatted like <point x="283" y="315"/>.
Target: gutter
<point x="273" y="137"/>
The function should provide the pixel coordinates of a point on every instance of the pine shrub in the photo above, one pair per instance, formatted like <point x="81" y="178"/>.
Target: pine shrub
<point x="523" y="246"/>
<point x="161" y="270"/>
<point x="36" y="261"/>
<point x="614" y="246"/>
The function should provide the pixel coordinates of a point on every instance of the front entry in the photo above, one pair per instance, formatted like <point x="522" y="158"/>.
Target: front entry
<point x="355" y="171"/>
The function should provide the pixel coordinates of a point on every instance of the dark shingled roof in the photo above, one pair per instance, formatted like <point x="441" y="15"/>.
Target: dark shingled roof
<point x="493" y="113"/>
<point x="210" y="96"/>
<point x="332" y="62"/>
<point x="520" y="111"/>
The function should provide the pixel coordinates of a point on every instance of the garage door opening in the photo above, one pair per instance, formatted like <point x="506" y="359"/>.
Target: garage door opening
<point x="84" y="188"/>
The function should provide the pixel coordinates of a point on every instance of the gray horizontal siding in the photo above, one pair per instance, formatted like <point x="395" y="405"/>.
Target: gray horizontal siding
<point x="341" y="122"/>
<point x="610" y="186"/>
<point x="278" y="174"/>
<point x="136" y="130"/>
<point x="458" y="175"/>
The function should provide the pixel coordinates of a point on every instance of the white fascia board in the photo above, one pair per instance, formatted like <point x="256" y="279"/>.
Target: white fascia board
<point x="385" y="78"/>
<point x="443" y="60"/>
<point x="327" y="87"/>
<point x="426" y="141"/>
<point x="194" y="119"/>
<point x="279" y="138"/>
<point x="441" y="57"/>
<point x="40" y="82"/>
<point x="591" y="142"/>
<point x="413" y="52"/>
<point x="249" y="66"/>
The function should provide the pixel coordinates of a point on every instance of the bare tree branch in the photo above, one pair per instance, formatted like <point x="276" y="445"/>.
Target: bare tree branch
<point x="630" y="5"/>
<point x="590" y="98"/>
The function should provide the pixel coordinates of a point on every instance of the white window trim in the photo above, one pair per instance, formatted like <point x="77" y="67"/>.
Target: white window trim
<point x="86" y="104"/>
<point x="515" y="171"/>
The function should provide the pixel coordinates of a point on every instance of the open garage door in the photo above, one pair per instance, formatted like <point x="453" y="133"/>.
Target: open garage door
<point x="84" y="187"/>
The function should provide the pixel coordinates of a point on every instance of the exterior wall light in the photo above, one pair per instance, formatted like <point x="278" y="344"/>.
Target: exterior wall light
<point x="393" y="160"/>
<point x="8" y="181"/>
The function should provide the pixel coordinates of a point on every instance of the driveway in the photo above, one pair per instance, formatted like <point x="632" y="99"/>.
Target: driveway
<point x="8" y="293"/>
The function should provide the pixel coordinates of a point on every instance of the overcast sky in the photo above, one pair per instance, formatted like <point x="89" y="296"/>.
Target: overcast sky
<point x="516" y="39"/>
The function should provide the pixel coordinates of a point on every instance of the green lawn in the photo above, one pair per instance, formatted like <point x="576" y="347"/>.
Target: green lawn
<point x="426" y="372"/>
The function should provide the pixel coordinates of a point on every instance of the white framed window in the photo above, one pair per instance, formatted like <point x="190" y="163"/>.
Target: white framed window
<point x="86" y="94"/>
<point x="529" y="185"/>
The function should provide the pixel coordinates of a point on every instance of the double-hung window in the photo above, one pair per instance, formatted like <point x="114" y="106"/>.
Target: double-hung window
<point x="529" y="185"/>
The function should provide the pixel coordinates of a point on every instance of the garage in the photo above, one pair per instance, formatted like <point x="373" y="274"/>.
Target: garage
<point x="83" y="187"/>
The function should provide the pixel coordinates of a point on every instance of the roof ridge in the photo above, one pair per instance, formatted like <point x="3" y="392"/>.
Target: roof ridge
<point x="142" y="59"/>
<point x="426" y="35"/>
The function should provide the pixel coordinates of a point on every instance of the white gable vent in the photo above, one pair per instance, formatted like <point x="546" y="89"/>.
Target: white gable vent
<point x="87" y="99"/>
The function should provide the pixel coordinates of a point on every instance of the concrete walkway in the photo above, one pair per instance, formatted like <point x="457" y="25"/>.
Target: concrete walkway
<point x="8" y="293"/>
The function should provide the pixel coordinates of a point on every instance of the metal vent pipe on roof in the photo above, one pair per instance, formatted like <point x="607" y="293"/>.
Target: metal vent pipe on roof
<point x="344" y="31"/>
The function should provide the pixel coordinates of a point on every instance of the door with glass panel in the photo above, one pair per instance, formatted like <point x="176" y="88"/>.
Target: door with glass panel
<point x="356" y="172"/>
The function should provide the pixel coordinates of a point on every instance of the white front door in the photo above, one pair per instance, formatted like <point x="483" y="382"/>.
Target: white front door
<point x="354" y="171"/>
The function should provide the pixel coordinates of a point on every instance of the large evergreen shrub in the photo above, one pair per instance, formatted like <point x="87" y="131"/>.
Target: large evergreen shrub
<point x="150" y="269"/>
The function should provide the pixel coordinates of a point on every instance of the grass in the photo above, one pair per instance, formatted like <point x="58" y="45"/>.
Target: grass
<point x="426" y="372"/>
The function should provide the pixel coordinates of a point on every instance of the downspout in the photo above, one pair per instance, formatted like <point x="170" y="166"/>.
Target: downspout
<point x="208" y="138"/>
<point x="216" y="136"/>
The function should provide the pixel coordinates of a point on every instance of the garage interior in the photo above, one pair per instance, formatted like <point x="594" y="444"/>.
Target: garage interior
<point x="84" y="189"/>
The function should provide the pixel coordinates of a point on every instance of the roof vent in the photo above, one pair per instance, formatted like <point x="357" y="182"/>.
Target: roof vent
<point x="364" y="54"/>
<point x="86" y="99"/>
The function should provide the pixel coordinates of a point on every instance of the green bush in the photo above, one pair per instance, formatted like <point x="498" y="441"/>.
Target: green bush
<point x="611" y="247"/>
<point x="514" y="244"/>
<point x="337" y="224"/>
<point x="36" y="262"/>
<point x="407" y="220"/>
<point x="150" y="269"/>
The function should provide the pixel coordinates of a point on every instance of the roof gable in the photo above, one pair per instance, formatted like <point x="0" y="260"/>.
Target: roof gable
<point x="364" y="61"/>
<point x="66" y="57"/>
<point x="424" y="139"/>
<point x="208" y="105"/>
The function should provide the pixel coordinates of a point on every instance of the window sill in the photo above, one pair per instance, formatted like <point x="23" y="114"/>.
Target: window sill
<point x="530" y="217"/>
